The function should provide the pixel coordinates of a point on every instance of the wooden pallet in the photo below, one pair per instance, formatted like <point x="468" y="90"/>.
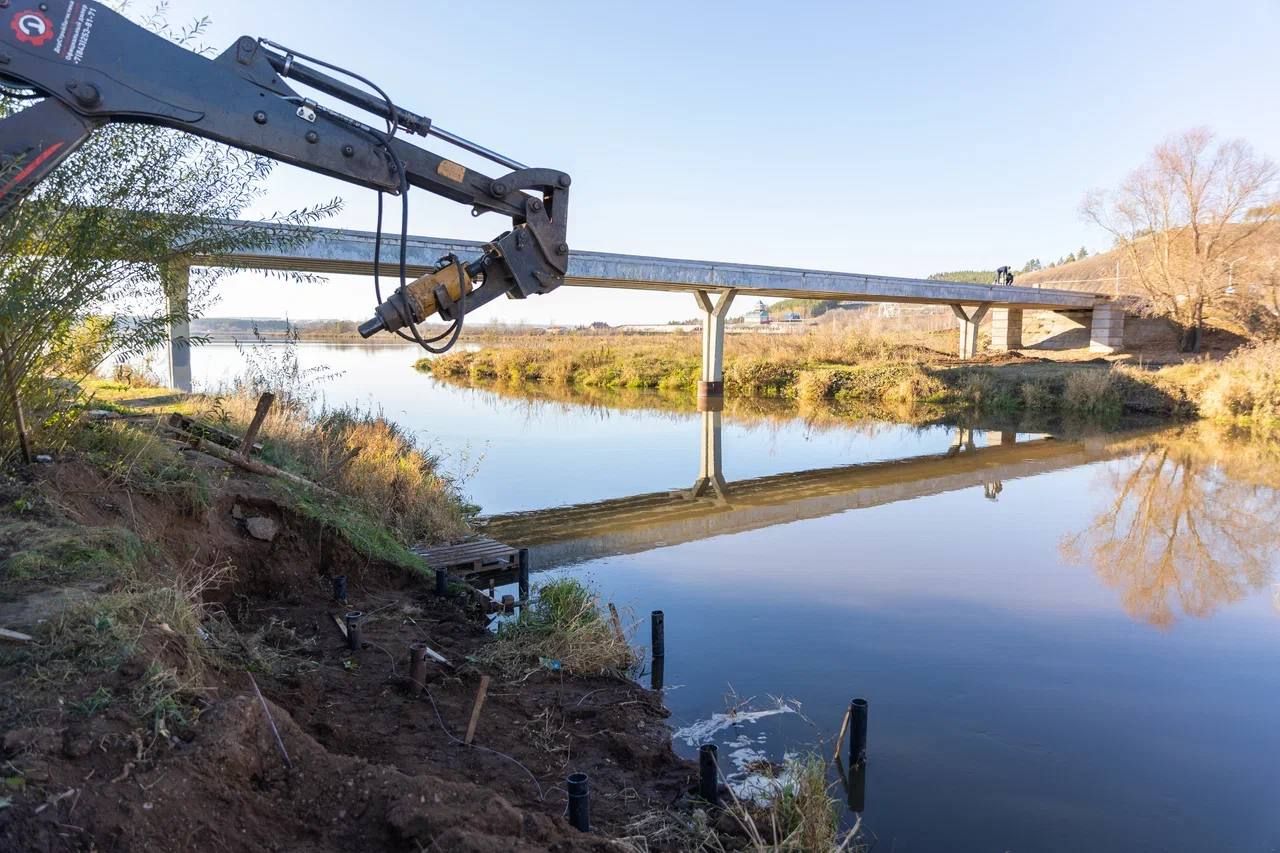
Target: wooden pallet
<point x="471" y="556"/>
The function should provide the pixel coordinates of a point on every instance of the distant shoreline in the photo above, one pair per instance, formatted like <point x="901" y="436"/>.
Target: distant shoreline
<point x="348" y="340"/>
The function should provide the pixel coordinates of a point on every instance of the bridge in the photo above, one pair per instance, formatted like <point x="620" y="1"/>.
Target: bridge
<point x="713" y="284"/>
<point x="712" y="507"/>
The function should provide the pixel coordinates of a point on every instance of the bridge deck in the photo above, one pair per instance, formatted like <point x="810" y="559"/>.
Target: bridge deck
<point x="331" y="250"/>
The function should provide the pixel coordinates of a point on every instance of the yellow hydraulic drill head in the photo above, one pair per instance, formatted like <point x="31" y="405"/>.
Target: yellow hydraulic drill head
<point x="417" y="301"/>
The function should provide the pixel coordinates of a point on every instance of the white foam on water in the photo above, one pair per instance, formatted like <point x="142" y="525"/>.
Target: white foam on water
<point x="755" y="785"/>
<point x="696" y="734"/>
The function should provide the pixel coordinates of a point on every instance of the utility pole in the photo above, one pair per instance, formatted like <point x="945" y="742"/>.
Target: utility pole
<point x="1231" y="274"/>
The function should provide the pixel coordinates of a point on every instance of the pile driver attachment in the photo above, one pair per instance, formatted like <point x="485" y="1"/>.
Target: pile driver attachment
<point x="85" y="66"/>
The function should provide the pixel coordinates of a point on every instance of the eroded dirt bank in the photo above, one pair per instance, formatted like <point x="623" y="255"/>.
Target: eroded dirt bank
<point x="130" y="721"/>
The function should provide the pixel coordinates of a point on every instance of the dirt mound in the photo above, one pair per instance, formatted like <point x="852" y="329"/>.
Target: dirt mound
<point x="127" y="729"/>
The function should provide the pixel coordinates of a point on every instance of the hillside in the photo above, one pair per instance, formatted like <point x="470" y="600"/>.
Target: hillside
<point x="1096" y="273"/>
<point x="1099" y="272"/>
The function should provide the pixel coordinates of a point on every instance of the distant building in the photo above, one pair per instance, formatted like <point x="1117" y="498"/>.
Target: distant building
<point x="792" y="317"/>
<point x="758" y="316"/>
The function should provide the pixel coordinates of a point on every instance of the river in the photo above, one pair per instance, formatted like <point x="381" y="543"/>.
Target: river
<point x="1066" y="643"/>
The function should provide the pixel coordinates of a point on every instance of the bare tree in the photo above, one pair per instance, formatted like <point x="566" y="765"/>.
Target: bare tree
<point x="1184" y="533"/>
<point x="1184" y="220"/>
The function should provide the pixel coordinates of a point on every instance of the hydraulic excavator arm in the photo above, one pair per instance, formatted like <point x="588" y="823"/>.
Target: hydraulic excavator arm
<point x="89" y="66"/>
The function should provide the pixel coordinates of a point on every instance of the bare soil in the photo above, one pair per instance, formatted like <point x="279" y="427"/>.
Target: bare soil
<point x="373" y="764"/>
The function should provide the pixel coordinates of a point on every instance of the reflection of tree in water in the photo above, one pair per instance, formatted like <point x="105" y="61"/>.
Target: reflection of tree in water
<point x="1183" y="533"/>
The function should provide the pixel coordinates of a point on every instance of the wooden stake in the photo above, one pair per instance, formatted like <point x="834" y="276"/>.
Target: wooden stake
<point x="475" y="709"/>
<point x="11" y="381"/>
<point x="259" y="415"/>
<point x="341" y="627"/>
<point x="617" y="624"/>
<point x="14" y="636"/>
<point x="844" y="727"/>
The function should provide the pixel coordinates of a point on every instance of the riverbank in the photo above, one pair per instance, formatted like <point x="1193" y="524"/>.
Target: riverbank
<point x="162" y="588"/>
<point x="1243" y="388"/>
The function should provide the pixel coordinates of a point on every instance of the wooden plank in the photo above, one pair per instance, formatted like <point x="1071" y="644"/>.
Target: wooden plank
<point x="475" y="709"/>
<point x="14" y="636"/>
<point x="461" y="555"/>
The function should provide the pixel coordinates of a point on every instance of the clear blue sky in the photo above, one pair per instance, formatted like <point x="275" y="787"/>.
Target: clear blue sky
<point x="894" y="138"/>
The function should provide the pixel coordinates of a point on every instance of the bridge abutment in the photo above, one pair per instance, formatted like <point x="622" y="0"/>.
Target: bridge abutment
<point x="176" y="278"/>
<point x="969" y="323"/>
<point x="1006" y="329"/>
<point x="1106" y="329"/>
<point x="711" y="385"/>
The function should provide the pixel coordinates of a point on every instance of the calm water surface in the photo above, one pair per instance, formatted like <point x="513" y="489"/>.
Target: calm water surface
<point x="1066" y="645"/>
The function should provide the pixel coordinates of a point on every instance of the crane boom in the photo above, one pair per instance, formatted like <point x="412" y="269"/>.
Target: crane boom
<point x="89" y="66"/>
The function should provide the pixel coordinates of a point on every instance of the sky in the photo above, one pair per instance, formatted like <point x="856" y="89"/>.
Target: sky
<point x="888" y="138"/>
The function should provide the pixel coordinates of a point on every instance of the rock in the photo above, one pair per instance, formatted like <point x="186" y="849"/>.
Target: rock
<point x="261" y="527"/>
<point x="44" y="458"/>
<point x="101" y="415"/>
<point x="237" y="512"/>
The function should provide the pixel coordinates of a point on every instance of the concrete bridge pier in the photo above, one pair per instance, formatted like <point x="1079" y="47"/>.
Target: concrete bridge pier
<point x="963" y="440"/>
<point x="969" y="327"/>
<point x="711" y="386"/>
<point x="176" y="279"/>
<point x="710" y="459"/>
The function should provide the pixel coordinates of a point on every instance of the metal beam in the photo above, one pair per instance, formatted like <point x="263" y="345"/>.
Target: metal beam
<point x="331" y="250"/>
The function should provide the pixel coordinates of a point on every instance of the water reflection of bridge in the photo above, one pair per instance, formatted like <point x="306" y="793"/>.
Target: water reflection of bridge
<point x="714" y="507"/>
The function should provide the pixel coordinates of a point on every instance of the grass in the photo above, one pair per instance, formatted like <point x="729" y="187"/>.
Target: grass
<point x="1244" y="388"/>
<point x="564" y="624"/>
<point x="756" y="365"/>
<point x="140" y="459"/>
<point x="391" y="489"/>
<point x="1094" y="392"/>
<point x="801" y="816"/>
<point x="885" y="371"/>
<point x="359" y="528"/>
<point x="157" y="620"/>
<point x="60" y="555"/>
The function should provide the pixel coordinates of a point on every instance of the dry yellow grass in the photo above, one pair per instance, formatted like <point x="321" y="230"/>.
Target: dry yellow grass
<point x="886" y="370"/>
<point x="365" y="457"/>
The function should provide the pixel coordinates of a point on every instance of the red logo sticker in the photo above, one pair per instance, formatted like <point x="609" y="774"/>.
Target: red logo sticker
<point x="32" y="27"/>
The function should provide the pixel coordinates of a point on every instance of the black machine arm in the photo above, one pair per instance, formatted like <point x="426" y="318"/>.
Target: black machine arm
<point x="91" y="66"/>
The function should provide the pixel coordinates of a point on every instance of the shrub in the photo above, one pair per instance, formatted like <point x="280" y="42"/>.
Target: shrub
<point x="1093" y="392"/>
<point x="1247" y="387"/>
<point x="564" y="623"/>
<point x="1038" y="396"/>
